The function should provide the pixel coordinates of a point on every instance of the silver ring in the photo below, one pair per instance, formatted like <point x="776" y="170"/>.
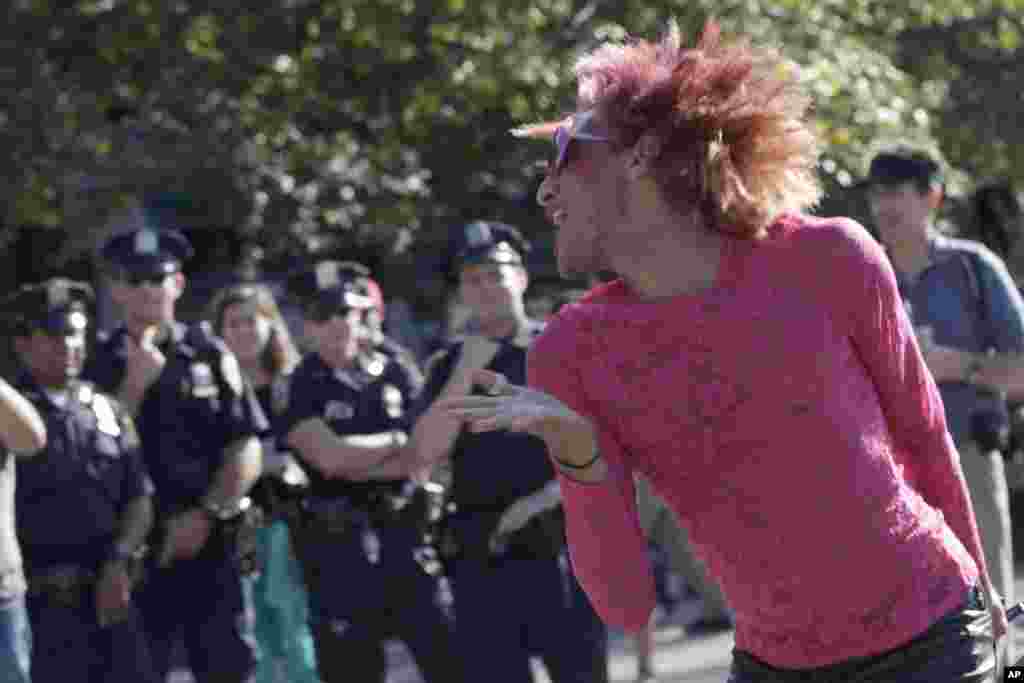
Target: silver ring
<point x="499" y="386"/>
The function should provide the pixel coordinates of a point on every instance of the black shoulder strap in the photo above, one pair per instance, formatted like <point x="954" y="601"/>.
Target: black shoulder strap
<point x="970" y="261"/>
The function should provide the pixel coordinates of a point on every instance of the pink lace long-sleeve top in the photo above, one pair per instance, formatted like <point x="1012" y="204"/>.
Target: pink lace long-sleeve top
<point x="788" y="419"/>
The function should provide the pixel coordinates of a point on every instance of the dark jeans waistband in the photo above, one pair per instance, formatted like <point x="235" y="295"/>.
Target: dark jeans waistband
<point x="957" y="647"/>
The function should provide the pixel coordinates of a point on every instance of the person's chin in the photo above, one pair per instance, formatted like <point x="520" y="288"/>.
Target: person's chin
<point x="248" y="355"/>
<point x="338" y="358"/>
<point x="570" y="269"/>
<point x="149" y="320"/>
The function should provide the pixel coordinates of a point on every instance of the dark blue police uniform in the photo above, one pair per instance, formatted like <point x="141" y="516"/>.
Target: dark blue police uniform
<point x="188" y="417"/>
<point x="70" y="499"/>
<point x="369" y="575"/>
<point x="520" y="598"/>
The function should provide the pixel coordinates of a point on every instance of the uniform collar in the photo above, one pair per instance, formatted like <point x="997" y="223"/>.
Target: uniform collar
<point x="524" y="336"/>
<point x="34" y="392"/>
<point x="939" y="251"/>
<point x="352" y="376"/>
<point x="521" y="338"/>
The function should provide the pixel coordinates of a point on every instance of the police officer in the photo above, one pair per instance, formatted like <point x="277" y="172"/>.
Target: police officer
<point x="369" y="575"/>
<point x="84" y="504"/>
<point x="515" y="595"/>
<point x="200" y="428"/>
<point x="375" y="341"/>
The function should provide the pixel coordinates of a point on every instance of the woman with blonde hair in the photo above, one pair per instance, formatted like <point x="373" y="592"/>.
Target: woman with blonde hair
<point x="251" y="324"/>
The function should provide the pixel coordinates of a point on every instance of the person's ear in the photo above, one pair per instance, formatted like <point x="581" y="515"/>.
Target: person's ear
<point x="523" y="279"/>
<point x="640" y="159"/>
<point x="118" y="292"/>
<point x="21" y="343"/>
<point x="179" y="284"/>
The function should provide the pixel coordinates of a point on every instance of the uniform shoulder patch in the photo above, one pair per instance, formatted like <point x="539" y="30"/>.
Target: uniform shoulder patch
<point x="106" y="417"/>
<point x="85" y="393"/>
<point x="231" y="372"/>
<point x="393" y="401"/>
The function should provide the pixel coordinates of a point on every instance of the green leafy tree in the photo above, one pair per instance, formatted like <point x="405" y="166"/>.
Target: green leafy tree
<point x="367" y="126"/>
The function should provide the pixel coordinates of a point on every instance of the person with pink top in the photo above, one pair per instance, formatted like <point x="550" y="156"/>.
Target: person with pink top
<point x="757" y="366"/>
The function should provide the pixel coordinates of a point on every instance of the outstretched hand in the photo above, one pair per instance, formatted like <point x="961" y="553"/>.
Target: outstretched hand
<point x="507" y="406"/>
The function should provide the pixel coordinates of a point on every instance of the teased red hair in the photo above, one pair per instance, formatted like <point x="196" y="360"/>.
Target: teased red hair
<point x="736" y="140"/>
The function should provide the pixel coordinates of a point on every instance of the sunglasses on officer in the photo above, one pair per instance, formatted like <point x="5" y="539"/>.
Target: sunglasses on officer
<point x="577" y="127"/>
<point x="142" y="278"/>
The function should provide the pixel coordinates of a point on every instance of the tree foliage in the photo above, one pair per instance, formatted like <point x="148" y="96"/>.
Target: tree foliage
<point x="371" y="124"/>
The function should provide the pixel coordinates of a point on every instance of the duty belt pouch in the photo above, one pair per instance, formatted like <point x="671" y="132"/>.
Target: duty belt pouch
<point x="65" y="585"/>
<point x="412" y="508"/>
<point x="334" y="517"/>
<point x="241" y="533"/>
<point x="279" y="499"/>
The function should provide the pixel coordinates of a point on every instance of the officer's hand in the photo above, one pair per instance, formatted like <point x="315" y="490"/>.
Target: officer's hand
<point x="187" y="533"/>
<point x="113" y="594"/>
<point x="144" y="361"/>
<point x="994" y="601"/>
<point x="511" y="407"/>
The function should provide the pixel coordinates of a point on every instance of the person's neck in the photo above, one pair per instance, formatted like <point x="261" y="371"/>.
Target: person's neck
<point x="669" y="256"/>
<point x="912" y="254"/>
<point x="343" y="365"/>
<point x="502" y="328"/>
<point x="56" y="386"/>
<point x="136" y="329"/>
<point x="255" y="372"/>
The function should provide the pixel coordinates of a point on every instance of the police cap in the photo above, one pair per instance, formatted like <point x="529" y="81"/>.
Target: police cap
<point x="146" y="253"/>
<point x="325" y="288"/>
<point x="485" y="242"/>
<point x="903" y="163"/>
<point x="366" y="284"/>
<point x="57" y="307"/>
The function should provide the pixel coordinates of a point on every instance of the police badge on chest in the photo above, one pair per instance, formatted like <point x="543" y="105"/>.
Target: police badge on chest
<point x="203" y="383"/>
<point x="392" y="399"/>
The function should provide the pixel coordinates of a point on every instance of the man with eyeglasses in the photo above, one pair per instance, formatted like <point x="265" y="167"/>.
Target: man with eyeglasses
<point x="199" y="425"/>
<point x="361" y="541"/>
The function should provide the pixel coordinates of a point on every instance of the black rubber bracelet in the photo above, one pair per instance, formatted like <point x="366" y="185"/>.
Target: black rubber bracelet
<point x="570" y="466"/>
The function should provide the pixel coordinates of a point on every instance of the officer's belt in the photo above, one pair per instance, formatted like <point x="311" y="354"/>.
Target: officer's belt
<point x="332" y="515"/>
<point x="63" y="582"/>
<point x="543" y="536"/>
<point x="342" y="512"/>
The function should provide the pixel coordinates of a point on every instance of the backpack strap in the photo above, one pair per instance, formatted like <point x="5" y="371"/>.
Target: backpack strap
<point x="970" y="262"/>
